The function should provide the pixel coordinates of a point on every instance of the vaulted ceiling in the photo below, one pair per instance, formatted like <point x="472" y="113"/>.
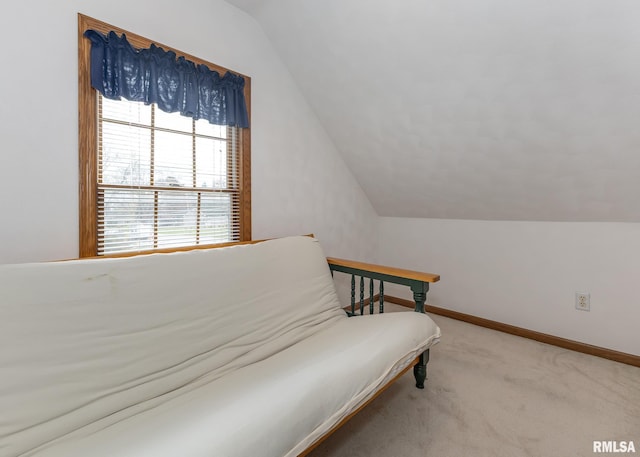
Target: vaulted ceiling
<point x="474" y="109"/>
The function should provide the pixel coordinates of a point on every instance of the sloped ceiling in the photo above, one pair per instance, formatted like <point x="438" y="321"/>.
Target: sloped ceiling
<point x="474" y="109"/>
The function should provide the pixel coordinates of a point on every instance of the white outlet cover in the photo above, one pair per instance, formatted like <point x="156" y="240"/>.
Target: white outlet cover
<point x="583" y="301"/>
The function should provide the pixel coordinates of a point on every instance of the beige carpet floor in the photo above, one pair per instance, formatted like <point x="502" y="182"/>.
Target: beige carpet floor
<point x="493" y="394"/>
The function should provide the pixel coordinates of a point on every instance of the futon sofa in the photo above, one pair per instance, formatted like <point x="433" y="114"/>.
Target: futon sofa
<point x="235" y="351"/>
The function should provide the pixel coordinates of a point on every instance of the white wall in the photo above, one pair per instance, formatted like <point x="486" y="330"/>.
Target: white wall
<point x="300" y="183"/>
<point x="526" y="273"/>
<point x="521" y="273"/>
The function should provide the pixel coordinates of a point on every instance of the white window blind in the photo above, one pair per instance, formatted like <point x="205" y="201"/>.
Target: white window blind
<point x="164" y="180"/>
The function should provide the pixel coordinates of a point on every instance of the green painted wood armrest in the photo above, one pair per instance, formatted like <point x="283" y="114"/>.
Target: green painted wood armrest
<point x="416" y="280"/>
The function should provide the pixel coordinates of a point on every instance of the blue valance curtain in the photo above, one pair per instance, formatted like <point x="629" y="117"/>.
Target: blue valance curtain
<point x="154" y="75"/>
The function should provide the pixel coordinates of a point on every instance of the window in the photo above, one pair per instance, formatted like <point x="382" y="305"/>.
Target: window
<point x="164" y="180"/>
<point x="151" y="180"/>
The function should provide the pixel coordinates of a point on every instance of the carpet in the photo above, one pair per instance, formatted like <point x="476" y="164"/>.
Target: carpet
<point x="493" y="394"/>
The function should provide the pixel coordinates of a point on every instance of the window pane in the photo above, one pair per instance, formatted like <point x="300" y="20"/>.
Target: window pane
<point x="177" y="218"/>
<point x="217" y="219"/>
<point x="173" y="160"/>
<point x="126" y="154"/>
<point x="141" y="218"/>
<point x="173" y="121"/>
<point x="211" y="163"/>
<point x="127" y="220"/>
<point x="203" y="127"/>
<point x="124" y="110"/>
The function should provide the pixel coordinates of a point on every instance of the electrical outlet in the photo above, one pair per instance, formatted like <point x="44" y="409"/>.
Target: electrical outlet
<point x="583" y="301"/>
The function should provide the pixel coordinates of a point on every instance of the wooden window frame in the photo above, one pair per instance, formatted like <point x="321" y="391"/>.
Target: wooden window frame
<point x="88" y="132"/>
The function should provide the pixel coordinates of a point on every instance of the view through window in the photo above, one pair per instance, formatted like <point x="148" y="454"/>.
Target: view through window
<point x="164" y="180"/>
